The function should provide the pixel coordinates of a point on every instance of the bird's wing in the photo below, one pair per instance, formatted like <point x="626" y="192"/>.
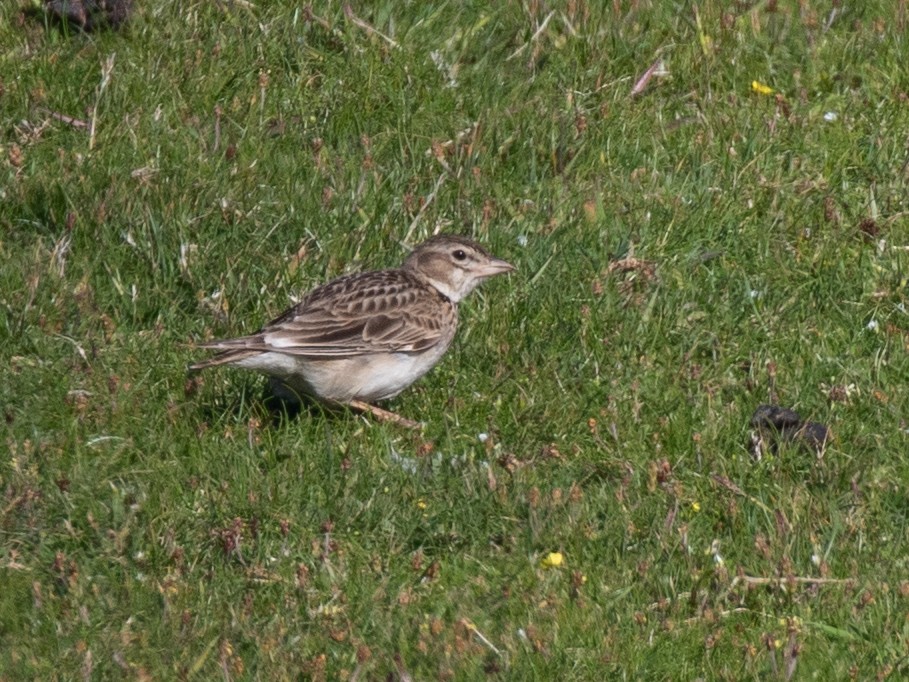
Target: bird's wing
<point x="387" y="311"/>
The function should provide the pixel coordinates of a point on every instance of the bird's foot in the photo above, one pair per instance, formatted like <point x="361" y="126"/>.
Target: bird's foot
<point x="384" y="415"/>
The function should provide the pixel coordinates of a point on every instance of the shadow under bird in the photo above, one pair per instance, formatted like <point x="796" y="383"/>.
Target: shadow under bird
<point x="366" y="337"/>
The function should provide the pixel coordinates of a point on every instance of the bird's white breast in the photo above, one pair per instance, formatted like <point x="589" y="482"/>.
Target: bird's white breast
<point x="371" y="377"/>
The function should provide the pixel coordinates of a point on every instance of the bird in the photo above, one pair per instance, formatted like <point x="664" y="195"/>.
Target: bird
<point x="365" y="337"/>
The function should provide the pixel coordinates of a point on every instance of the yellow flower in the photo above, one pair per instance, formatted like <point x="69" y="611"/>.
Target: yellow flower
<point x="552" y="560"/>
<point x="760" y="88"/>
<point x="696" y="506"/>
<point x="421" y="504"/>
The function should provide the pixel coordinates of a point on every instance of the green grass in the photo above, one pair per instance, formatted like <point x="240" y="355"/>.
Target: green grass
<point x="153" y="527"/>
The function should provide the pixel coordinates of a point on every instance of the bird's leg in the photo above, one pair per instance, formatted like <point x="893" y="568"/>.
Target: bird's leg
<point x="383" y="415"/>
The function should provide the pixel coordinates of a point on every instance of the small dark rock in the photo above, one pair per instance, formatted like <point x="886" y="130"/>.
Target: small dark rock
<point x="814" y="436"/>
<point x="774" y="425"/>
<point x="772" y="416"/>
<point x="90" y="15"/>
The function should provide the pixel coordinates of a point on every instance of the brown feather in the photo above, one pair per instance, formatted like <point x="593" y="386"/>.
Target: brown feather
<point x="385" y="311"/>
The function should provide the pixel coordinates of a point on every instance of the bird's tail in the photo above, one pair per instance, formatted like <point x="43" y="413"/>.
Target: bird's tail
<point x="227" y="357"/>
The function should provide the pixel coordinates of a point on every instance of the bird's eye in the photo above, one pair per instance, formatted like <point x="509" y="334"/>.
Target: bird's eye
<point x="459" y="254"/>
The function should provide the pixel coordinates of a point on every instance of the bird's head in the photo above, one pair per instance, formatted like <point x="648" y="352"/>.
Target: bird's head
<point x="454" y="265"/>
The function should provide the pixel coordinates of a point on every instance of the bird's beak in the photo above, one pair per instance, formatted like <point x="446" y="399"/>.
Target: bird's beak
<point x="496" y="266"/>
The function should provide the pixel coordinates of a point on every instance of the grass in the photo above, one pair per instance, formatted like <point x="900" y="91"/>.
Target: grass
<point x="156" y="527"/>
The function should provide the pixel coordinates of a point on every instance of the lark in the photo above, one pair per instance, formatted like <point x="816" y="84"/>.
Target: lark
<point x="364" y="338"/>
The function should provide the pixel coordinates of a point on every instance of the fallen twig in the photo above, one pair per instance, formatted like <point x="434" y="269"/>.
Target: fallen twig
<point x="348" y="12"/>
<point x="480" y="636"/>
<point x="69" y="120"/>
<point x="801" y="580"/>
<point x="642" y="82"/>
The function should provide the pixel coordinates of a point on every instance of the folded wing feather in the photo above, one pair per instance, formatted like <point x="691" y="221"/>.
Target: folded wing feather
<point x="403" y="318"/>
